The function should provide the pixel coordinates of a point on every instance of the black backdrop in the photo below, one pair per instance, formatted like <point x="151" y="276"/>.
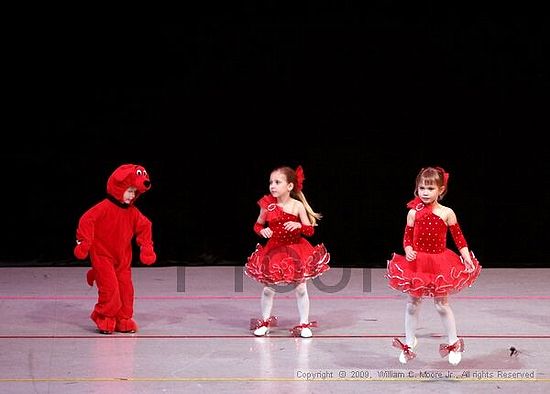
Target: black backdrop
<point x="209" y="107"/>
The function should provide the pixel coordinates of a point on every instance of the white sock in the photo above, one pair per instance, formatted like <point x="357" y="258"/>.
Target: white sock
<point x="447" y="317"/>
<point x="266" y="302"/>
<point x="302" y="299"/>
<point x="412" y="312"/>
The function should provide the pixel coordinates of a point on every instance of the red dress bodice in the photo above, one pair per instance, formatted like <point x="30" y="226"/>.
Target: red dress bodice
<point x="437" y="270"/>
<point x="287" y="257"/>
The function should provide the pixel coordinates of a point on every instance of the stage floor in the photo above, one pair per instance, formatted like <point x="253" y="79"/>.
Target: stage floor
<point x="194" y="335"/>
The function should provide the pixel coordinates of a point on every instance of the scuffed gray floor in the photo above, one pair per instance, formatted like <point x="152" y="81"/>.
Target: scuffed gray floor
<point x="194" y="335"/>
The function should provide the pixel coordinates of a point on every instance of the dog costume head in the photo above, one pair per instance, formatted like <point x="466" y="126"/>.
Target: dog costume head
<point x="125" y="176"/>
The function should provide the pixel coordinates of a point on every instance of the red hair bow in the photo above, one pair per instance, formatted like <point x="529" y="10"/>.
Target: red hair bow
<point x="445" y="175"/>
<point x="299" y="178"/>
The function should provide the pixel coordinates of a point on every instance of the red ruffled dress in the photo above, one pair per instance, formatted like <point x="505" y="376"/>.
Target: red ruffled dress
<point x="287" y="256"/>
<point x="437" y="271"/>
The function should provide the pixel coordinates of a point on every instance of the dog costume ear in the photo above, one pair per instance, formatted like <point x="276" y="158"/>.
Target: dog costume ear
<point x="122" y="172"/>
<point x="120" y="180"/>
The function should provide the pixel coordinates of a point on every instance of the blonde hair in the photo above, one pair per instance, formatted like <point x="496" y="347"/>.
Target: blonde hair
<point x="291" y="177"/>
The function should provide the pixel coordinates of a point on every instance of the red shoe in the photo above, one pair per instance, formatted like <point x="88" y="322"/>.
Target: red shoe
<point x="127" y="326"/>
<point x="261" y="327"/>
<point x="407" y="352"/>
<point x="454" y="350"/>
<point x="105" y="325"/>
<point x="303" y="330"/>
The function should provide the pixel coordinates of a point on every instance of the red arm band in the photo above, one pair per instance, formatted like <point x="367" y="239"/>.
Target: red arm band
<point x="307" y="230"/>
<point x="458" y="237"/>
<point x="258" y="227"/>
<point x="408" y="236"/>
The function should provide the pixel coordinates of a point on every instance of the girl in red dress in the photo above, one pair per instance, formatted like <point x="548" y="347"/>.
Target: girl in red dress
<point x="287" y="257"/>
<point x="429" y="268"/>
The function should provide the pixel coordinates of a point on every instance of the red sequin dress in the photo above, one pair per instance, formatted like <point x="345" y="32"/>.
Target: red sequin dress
<point x="437" y="270"/>
<point x="287" y="257"/>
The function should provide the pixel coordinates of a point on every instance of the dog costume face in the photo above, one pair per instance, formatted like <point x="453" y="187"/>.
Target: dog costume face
<point x="125" y="176"/>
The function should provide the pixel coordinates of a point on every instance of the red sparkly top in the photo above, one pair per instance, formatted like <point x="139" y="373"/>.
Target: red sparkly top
<point x="429" y="234"/>
<point x="276" y="218"/>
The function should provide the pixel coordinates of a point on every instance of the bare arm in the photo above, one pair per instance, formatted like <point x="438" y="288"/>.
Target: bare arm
<point x="304" y="225"/>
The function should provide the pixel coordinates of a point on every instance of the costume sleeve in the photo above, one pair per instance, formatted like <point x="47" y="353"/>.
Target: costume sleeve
<point x="458" y="236"/>
<point x="408" y="236"/>
<point x="306" y="230"/>
<point x="85" y="232"/>
<point x="86" y="227"/>
<point x="144" y="232"/>
<point x="258" y="227"/>
<point x="266" y="201"/>
<point x="144" y="239"/>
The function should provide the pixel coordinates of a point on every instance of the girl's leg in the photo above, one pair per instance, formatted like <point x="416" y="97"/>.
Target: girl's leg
<point x="447" y="317"/>
<point x="302" y="299"/>
<point x="412" y="312"/>
<point x="266" y="304"/>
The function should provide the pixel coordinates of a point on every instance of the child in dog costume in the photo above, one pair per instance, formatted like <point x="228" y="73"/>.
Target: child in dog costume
<point x="105" y="233"/>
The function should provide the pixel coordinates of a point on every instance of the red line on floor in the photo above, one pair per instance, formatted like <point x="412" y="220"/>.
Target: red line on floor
<point x="134" y="336"/>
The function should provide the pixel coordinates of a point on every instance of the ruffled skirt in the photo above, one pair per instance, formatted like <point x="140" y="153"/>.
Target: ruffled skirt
<point x="294" y="263"/>
<point x="431" y="275"/>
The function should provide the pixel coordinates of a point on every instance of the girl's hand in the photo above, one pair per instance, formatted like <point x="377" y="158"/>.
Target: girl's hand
<point x="266" y="232"/>
<point x="410" y="253"/>
<point x="469" y="264"/>
<point x="292" y="226"/>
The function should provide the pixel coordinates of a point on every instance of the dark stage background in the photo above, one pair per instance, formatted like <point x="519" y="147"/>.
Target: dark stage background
<point x="361" y="99"/>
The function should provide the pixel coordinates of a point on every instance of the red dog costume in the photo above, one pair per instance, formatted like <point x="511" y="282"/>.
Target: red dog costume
<point x="105" y="232"/>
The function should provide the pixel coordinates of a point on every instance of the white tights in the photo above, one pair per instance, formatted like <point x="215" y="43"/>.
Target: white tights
<point x="302" y="299"/>
<point x="412" y="311"/>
